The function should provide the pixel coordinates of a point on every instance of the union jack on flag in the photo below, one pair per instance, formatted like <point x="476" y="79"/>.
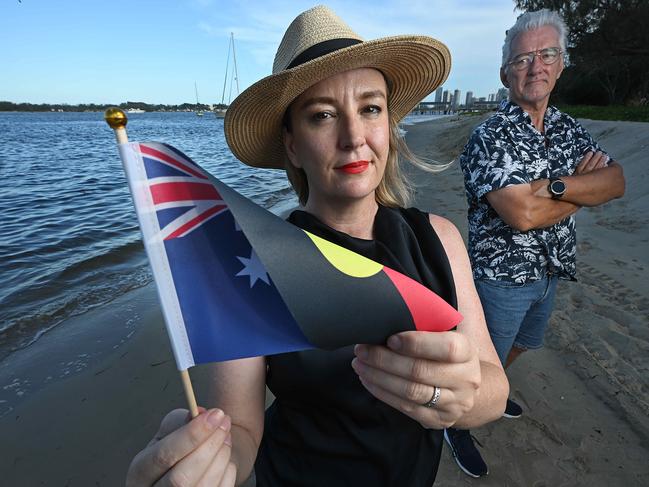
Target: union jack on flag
<point x="176" y="182"/>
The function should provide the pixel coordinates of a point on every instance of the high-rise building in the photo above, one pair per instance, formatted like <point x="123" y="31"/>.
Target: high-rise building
<point x="469" y="99"/>
<point x="492" y="97"/>
<point x="445" y="96"/>
<point x="438" y="94"/>
<point x="503" y="94"/>
<point x="456" y="99"/>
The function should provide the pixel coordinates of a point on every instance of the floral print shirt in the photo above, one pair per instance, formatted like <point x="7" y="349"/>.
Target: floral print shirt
<point x="506" y="150"/>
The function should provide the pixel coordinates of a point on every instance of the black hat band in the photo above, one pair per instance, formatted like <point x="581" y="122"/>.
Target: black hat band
<point x="321" y="49"/>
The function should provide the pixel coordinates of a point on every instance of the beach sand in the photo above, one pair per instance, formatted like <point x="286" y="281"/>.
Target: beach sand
<point x="89" y="394"/>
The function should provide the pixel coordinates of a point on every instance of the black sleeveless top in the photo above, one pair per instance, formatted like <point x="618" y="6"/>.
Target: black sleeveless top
<point x="324" y="428"/>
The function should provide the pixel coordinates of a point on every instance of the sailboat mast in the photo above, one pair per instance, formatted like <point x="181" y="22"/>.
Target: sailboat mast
<point x="222" y="108"/>
<point x="227" y="66"/>
<point x="196" y="91"/>
<point x="234" y="57"/>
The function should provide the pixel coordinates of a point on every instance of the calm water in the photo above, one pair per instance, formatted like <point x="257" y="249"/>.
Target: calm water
<point x="69" y="239"/>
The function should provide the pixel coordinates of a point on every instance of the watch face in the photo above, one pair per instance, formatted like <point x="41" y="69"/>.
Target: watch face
<point x="558" y="187"/>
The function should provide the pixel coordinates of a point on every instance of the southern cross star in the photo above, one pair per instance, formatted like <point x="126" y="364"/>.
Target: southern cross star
<point x="253" y="268"/>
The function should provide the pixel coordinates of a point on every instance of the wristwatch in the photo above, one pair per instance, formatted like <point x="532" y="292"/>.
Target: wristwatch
<point x="556" y="188"/>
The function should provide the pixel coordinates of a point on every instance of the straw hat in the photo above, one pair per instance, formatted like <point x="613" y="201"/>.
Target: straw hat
<point x="317" y="45"/>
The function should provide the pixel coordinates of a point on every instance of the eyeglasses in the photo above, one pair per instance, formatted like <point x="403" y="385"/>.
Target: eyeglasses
<point x="549" y="55"/>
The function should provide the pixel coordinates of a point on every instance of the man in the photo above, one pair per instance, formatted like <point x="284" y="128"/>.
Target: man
<point x="527" y="170"/>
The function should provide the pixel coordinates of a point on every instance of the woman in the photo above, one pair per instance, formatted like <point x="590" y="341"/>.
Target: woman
<point x="363" y="415"/>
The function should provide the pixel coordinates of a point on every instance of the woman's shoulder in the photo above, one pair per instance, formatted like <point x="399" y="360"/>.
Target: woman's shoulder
<point x="425" y="223"/>
<point x="451" y="239"/>
<point x="441" y="224"/>
<point x="437" y="222"/>
<point x="445" y="230"/>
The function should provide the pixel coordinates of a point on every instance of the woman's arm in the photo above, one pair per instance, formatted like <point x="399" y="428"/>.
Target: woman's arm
<point x="213" y="448"/>
<point x="462" y="363"/>
<point x="492" y="394"/>
<point x="239" y="387"/>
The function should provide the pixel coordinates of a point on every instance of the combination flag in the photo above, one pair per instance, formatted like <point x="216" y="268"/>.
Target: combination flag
<point x="237" y="281"/>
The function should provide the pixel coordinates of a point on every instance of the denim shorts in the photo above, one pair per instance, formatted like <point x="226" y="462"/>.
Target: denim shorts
<point x="517" y="314"/>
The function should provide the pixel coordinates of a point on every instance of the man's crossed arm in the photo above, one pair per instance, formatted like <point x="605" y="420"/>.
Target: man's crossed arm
<point x="528" y="206"/>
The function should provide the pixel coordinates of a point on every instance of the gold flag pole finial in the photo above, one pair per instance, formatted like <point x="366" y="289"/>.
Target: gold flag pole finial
<point x="116" y="118"/>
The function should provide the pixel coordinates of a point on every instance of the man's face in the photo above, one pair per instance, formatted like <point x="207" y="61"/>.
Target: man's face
<point x="531" y="87"/>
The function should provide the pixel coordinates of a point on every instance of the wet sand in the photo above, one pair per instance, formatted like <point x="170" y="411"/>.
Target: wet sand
<point x="88" y="395"/>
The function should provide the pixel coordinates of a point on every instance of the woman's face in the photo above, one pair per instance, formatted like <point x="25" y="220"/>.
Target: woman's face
<point x="340" y="136"/>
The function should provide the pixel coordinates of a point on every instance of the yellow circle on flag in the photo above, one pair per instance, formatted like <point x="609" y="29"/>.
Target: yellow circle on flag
<point x="344" y="260"/>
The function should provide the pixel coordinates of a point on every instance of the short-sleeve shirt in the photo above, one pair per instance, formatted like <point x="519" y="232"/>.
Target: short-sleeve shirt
<point x="506" y="150"/>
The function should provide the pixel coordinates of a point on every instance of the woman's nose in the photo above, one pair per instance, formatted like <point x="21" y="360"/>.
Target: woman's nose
<point x="351" y="134"/>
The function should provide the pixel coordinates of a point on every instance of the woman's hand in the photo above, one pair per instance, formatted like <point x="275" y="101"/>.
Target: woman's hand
<point x="193" y="453"/>
<point x="405" y="373"/>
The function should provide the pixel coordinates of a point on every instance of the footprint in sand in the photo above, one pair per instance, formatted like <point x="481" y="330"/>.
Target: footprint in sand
<point x="614" y="291"/>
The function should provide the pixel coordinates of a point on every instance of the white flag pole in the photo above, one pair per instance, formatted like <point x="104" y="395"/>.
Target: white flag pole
<point x="116" y="119"/>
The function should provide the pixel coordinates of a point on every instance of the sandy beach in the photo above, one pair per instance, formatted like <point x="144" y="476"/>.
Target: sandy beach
<point x="89" y="394"/>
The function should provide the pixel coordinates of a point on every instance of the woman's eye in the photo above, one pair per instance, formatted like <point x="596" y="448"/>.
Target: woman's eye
<point x="374" y="109"/>
<point x="322" y="115"/>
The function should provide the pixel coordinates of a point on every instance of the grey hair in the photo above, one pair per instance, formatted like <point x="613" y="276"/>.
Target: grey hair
<point x="531" y="21"/>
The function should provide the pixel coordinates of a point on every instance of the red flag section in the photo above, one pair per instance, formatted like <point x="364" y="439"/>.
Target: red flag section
<point x="429" y="311"/>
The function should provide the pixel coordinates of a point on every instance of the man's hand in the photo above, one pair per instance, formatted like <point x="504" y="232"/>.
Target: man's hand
<point x="592" y="161"/>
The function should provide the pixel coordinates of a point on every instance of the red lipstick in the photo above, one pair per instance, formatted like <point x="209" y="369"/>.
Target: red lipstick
<point x="355" y="167"/>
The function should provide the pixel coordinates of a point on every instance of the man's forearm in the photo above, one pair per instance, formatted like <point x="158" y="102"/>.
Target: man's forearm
<point x="528" y="206"/>
<point x="547" y="211"/>
<point x="589" y="189"/>
<point x="596" y="187"/>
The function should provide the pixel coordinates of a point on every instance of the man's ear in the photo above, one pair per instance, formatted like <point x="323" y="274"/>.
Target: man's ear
<point x="503" y="78"/>
<point x="289" y="147"/>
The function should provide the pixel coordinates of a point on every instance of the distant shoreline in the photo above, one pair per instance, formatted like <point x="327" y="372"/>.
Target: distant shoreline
<point x="102" y="110"/>
<point x="8" y="106"/>
<point x="609" y="113"/>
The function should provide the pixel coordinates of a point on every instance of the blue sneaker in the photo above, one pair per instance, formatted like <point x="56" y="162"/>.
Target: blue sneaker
<point x="466" y="455"/>
<point x="512" y="410"/>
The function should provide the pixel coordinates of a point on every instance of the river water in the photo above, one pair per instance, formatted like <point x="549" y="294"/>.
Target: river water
<point x="70" y="240"/>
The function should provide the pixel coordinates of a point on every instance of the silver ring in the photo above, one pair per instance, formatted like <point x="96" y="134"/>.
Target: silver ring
<point x="433" y="400"/>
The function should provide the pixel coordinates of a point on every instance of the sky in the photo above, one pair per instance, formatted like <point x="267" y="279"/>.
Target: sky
<point x="97" y="51"/>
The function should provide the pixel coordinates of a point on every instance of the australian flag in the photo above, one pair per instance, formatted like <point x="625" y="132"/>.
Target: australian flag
<point x="218" y="300"/>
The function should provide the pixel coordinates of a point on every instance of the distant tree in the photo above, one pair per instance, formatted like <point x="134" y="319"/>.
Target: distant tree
<point x="608" y="45"/>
